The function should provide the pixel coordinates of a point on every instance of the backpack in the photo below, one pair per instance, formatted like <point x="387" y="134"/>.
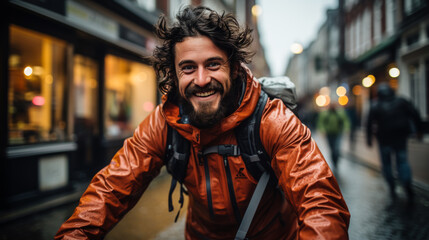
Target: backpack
<point x="249" y="146"/>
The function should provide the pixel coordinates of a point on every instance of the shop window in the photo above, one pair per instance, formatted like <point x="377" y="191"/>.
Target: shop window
<point x="37" y="84"/>
<point x="130" y="95"/>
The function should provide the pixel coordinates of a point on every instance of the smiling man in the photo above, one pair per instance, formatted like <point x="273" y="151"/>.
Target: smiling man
<point x="204" y="77"/>
<point x="208" y="93"/>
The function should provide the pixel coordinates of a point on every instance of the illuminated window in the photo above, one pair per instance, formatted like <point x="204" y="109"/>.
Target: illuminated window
<point x="130" y="95"/>
<point x="37" y="85"/>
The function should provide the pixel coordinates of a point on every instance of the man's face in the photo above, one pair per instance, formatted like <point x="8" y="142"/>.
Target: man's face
<point x="204" y="76"/>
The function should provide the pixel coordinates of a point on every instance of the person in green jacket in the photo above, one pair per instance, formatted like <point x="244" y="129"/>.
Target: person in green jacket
<point x="333" y="122"/>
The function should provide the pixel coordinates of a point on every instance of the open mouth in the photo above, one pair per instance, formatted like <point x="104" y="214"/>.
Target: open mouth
<point x="205" y="94"/>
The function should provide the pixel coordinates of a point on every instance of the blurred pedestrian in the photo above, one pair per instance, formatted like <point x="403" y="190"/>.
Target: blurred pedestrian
<point x="333" y="122"/>
<point x="354" y="122"/>
<point x="208" y="92"/>
<point x="392" y="119"/>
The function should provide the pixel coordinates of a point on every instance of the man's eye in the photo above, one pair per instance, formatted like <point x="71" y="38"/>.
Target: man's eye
<point x="188" y="69"/>
<point x="213" y="65"/>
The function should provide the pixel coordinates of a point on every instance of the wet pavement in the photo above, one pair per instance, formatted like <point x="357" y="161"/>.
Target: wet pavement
<point x="373" y="214"/>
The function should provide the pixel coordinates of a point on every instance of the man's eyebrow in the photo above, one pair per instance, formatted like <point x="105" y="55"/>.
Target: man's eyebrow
<point x="184" y="62"/>
<point x="215" y="59"/>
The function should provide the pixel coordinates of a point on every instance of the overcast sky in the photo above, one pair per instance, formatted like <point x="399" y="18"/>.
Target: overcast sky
<point x="284" y="22"/>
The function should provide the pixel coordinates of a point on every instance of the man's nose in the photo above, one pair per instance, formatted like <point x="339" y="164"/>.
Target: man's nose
<point x="202" y="78"/>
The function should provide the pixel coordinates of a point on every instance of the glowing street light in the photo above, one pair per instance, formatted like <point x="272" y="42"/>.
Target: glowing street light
<point x="343" y="100"/>
<point x="296" y="48"/>
<point x="322" y="100"/>
<point x="256" y="10"/>
<point x="28" y="71"/>
<point x="394" y="72"/>
<point x="341" y="91"/>
<point x="368" y="81"/>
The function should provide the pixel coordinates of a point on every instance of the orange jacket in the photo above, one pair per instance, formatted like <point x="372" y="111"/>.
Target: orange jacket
<point x="312" y="206"/>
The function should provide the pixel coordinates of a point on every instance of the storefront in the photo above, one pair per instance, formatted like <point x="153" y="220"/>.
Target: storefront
<point x="74" y="85"/>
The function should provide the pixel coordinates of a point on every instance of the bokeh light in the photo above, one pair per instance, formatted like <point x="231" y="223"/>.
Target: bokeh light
<point x="28" y="71"/>
<point x="341" y="91"/>
<point x="296" y="48"/>
<point x="357" y="90"/>
<point x="368" y="81"/>
<point x="394" y="72"/>
<point x="343" y="100"/>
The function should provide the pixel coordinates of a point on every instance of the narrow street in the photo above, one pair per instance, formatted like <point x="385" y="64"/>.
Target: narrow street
<point x="374" y="214"/>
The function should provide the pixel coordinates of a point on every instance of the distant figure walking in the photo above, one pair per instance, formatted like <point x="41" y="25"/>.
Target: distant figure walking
<point x="333" y="123"/>
<point x="392" y="119"/>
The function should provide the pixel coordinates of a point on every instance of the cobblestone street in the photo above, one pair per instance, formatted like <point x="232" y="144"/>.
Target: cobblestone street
<point x="374" y="214"/>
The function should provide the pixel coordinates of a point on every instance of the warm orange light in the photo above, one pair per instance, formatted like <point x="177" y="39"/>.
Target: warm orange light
<point x="343" y="100"/>
<point x="357" y="90"/>
<point x="256" y="10"/>
<point x="322" y="100"/>
<point x="368" y="81"/>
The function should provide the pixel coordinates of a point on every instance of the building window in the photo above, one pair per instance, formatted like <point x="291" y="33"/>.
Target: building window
<point x="130" y="95"/>
<point x="412" y="6"/>
<point x="414" y="72"/>
<point x="412" y="39"/>
<point x="318" y="63"/>
<point x="37" y="88"/>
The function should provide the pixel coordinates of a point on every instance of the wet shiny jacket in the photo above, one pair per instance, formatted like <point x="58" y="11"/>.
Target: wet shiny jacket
<point x="307" y="205"/>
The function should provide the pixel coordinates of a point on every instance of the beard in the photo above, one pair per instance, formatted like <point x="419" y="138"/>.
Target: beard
<point x="205" y="116"/>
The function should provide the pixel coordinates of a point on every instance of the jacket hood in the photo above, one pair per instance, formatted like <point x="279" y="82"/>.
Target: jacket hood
<point x="385" y="92"/>
<point x="171" y="113"/>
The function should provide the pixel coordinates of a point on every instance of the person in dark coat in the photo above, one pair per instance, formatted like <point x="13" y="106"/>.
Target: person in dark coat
<point x="393" y="119"/>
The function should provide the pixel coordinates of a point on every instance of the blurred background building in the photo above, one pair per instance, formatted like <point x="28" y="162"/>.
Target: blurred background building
<point x="75" y="82"/>
<point x="364" y="43"/>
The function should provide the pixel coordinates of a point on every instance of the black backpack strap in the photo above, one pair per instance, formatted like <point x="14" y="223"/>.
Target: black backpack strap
<point x="252" y="151"/>
<point x="257" y="161"/>
<point x="253" y="205"/>
<point x="176" y="162"/>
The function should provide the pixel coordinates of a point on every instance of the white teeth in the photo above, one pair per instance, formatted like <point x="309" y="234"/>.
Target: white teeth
<point x="204" y="94"/>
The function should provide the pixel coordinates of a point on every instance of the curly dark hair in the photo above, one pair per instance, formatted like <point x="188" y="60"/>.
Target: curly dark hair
<point x="223" y="29"/>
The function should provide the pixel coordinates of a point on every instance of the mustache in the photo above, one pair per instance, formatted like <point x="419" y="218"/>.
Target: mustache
<point x="211" y="86"/>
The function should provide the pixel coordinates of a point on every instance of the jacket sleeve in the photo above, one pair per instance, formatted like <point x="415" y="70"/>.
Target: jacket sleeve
<point x="117" y="187"/>
<point x="304" y="176"/>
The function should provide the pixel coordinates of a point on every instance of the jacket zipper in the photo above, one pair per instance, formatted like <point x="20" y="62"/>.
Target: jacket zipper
<point x="231" y="190"/>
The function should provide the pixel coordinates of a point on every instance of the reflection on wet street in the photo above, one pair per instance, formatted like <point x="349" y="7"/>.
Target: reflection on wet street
<point x="373" y="214"/>
<point x="150" y="217"/>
